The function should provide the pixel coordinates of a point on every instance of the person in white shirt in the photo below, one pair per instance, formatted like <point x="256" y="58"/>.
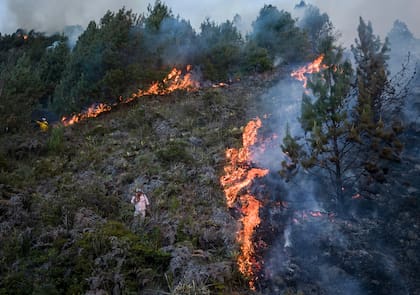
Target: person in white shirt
<point x="140" y="202"/>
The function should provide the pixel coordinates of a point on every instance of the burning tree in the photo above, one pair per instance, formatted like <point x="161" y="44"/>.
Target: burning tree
<point x="325" y="120"/>
<point x="349" y="129"/>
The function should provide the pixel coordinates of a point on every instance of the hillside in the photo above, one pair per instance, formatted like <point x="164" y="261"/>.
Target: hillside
<point x="67" y="224"/>
<point x="276" y="162"/>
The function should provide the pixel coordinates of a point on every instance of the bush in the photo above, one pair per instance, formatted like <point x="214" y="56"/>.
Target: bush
<point x="174" y="152"/>
<point x="56" y="141"/>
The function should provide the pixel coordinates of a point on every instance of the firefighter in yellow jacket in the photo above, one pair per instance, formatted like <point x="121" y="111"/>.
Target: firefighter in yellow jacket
<point x="43" y="124"/>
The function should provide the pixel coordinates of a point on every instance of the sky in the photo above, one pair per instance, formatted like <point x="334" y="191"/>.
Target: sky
<point x="52" y="15"/>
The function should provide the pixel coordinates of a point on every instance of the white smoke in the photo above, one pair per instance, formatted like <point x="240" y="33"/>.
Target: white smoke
<point x="287" y="238"/>
<point x="53" y="16"/>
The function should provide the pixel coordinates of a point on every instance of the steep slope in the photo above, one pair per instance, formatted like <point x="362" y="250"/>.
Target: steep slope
<point x="67" y="224"/>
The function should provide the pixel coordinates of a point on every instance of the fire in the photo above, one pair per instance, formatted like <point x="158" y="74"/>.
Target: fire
<point x="92" y="112"/>
<point x="172" y="82"/>
<point x="311" y="68"/>
<point x="239" y="175"/>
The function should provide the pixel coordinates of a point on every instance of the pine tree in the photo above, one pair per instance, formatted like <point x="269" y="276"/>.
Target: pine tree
<point x="371" y="56"/>
<point x="378" y="102"/>
<point x="324" y="118"/>
<point x="276" y="31"/>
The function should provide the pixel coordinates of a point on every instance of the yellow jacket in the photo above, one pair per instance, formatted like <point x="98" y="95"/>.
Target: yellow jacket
<point x="43" y="125"/>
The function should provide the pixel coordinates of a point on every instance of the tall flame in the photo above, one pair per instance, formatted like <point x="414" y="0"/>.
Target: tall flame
<point x="172" y="82"/>
<point x="313" y="67"/>
<point x="238" y="176"/>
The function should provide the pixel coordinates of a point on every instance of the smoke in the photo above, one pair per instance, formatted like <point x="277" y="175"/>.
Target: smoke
<point x="53" y="16"/>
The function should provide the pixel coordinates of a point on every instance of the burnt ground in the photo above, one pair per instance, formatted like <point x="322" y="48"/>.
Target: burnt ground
<point x="371" y="248"/>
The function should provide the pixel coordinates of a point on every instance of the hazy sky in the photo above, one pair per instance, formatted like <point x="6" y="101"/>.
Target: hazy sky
<point x="53" y="15"/>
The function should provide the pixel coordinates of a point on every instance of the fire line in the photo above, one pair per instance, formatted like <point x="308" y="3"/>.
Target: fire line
<point x="239" y="175"/>
<point x="172" y="82"/>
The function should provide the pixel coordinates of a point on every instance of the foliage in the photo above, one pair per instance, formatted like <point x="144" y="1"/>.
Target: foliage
<point x="325" y="120"/>
<point x="348" y="131"/>
<point x="276" y="31"/>
<point x="175" y="151"/>
<point x="317" y="26"/>
<point x="27" y="74"/>
<point x="56" y="141"/>
<point x="124" y="51"/>
<point x="256" y="59"/>
<point x="220" y="50"/>
<point x="97" y="65"/>
<point x="379" y="101"/>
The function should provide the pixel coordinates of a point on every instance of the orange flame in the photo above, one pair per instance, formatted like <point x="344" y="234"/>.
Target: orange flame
<point x="172" y="82"/>
<point x="311" y="68"/>
<point x="238" y="177"/>
<point x="92" y="112"/>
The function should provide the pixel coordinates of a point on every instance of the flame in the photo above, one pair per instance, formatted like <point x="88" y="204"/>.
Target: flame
<point x="313" y="67"/>
<point x="172" y="82"/>
<point x="238" y="176"/>
<point x="92" y="112"/>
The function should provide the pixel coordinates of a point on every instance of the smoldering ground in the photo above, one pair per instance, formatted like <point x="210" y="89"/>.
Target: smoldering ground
<point x="311" y="248"/>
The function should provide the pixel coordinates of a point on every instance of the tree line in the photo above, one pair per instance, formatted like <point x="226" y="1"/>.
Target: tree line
<point x="125" y="51"/>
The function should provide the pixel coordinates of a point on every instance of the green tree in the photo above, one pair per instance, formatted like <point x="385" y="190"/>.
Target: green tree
<point x="378" y="102"/>
<point x="101" y="53"/>
<point x="219" y="48"/>
<point x="371" y="56"/>
<point x="317" y="25"/>
<point x="255" y="59"/>
<point x="276" y="31"/>
<point x="21" y="91"/>
<point x="156" y="14"/>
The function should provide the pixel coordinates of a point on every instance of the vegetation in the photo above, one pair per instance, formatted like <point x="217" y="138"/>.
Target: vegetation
<point x="346" y="134"/>
<point x="66" y="222"/>
<point x="125" y="51"/>
<point x="326" y="122"/>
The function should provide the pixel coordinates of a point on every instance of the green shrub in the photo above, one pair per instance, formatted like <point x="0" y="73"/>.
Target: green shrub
<point x="174" y="152"/>
<point x="56" y="140"/>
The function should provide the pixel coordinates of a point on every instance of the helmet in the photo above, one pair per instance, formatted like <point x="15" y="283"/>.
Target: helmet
<point x="138" y="190"/>
<point x="43" y="119"/>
